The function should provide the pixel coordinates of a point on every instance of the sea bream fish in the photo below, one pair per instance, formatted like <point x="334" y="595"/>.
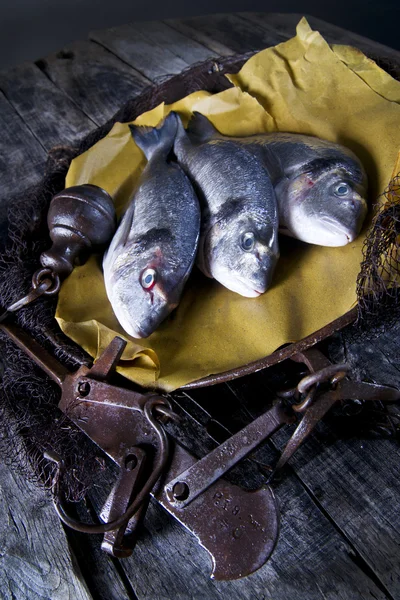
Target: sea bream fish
<point x="238" y="243"/>
<point x="320" y="186"/>
<point x="153" y="251"/>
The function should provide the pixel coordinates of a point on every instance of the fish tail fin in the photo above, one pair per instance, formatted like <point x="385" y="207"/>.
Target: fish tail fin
<point x="200" y="129"/>
<point x="182" y="140"/>
<point x="156" y="139"/>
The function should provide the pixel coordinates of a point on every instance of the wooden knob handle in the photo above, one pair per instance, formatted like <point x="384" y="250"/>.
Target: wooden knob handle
<point x="79" y="218"/>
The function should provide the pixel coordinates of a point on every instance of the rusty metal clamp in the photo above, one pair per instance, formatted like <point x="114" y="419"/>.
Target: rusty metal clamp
<point x="151" y="406"/>
<point x="317" y="402"/>
<point x="331" y="374"/>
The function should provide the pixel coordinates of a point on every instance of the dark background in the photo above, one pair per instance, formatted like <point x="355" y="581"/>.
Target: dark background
<point x="31" y="29"/>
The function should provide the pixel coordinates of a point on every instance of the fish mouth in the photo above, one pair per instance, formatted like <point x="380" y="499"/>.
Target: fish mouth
<point x="132" y="327"/>
<point x="251" y="290"/>
<point x="140" y="333"/>
<point x="336" y="228"/>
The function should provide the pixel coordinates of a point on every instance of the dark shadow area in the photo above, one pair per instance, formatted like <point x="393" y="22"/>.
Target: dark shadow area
<point x="31" y="30"/>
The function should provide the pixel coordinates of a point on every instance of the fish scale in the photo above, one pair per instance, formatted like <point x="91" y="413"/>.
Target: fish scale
<point x="307" y="173"/>
<point x="238" y="204"/>
<point x="153" y="251"/>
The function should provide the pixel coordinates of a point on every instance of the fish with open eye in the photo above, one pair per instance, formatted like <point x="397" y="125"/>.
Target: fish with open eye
<point x="238" y="243"/>
<point x="320" y="186"/>
<point x="152" y="253"/>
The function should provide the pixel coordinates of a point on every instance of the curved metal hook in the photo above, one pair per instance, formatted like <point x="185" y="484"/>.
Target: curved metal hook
<point x="161" y="461"/>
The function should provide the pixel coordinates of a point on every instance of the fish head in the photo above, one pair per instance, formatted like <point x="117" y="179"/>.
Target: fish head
<point x="241" y="252"/>
<point x="145" y="286"/>
<point x="327" y="209"/>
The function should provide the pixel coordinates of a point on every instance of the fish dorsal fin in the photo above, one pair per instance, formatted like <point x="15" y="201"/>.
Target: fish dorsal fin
<point x="200" y="129"/>
<point x="156" y="139"/>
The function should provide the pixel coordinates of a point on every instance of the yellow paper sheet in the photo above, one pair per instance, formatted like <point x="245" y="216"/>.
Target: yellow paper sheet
<point x="300" y="86"/>
<point x="381" y="82"/>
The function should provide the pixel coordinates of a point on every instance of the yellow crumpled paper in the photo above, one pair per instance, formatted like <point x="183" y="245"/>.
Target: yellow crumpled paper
<point x="304" y="86"/>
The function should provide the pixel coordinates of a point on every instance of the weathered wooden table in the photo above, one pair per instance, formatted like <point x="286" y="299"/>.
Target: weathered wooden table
<point x="340" y="498"/>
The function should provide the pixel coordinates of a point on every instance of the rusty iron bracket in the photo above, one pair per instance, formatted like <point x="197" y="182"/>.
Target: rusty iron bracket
<point x="121" y="542"/>
<point x="239" y="528"/>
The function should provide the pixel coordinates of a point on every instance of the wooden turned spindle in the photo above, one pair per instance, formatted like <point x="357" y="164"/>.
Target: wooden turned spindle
<point x="80" y="218"/>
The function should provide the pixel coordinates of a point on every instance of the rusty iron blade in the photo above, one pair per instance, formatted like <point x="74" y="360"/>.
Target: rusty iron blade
<point x="237" y="527"/>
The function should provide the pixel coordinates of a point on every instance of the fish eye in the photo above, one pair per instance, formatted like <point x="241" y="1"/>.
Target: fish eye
<point x="247" y="241"/>
<point x="148" y="279"/>
<point x="342" y="189"/>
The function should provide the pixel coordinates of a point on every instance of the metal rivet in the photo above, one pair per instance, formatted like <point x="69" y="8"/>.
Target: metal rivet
<point x="130" y="462"/>
<point x="84" y="388"/>
<point x="180" y="490"/>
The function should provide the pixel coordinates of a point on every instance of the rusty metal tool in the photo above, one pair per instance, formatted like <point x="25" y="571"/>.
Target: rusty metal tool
<point x="200" y="476"/>
<point x="238" y="528"/>
<point x="326" y="385"/>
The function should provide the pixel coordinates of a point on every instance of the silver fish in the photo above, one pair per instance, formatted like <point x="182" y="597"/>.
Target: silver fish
<point x="238" y="243"/>
<point x="320" y="186"/>
<point x="153" y="250"/>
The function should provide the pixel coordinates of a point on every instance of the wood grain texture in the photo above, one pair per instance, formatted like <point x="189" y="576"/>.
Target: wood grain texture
<point x="232" y="31"/>
<point x="35" y="558"/>
<point x="351" y="477"/>
<point x="359" y="495"/>
<point x="153" y="48"/>
<point x="192" y="33"/>
<point x="310" y="560"/>
<point x="46" y="111"/>
<point x="22" y="158"/>
<point x="103" y="575"/>
<point x="93" y="78"/>
<point x="285" y="24"/>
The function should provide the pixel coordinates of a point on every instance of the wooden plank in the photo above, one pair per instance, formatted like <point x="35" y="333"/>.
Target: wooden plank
<point x="95" y="80"/>
<point x="358" y="494"/>
<point x="48" y="113"/>
<point x="193" y="33"/>
<point x="22" y="158"/>
<point x="232" y="31"/>
<point x="186" y="48"/>
<point x="285" y="24"/>
<point x="35" y="559"/>
<point x="309" y="552"/>
<point x="101" y="573"/>
<point x="153" y="48"/>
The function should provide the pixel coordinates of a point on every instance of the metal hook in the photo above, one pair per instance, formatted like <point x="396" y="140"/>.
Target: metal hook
<point x="332" y="373"/>
<point x="44" y="283"/>
<point x="161" y="461"/>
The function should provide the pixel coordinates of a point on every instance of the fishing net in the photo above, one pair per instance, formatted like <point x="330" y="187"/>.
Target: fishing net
<point x="378" y="282"/>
